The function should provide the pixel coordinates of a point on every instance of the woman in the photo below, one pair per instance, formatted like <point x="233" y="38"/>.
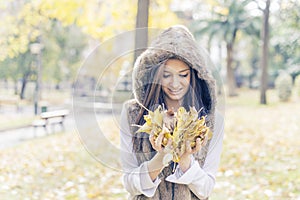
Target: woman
<point x="172" y="72"/>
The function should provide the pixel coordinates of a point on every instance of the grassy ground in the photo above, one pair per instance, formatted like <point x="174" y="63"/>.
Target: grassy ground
<point x="11" y="117"/>
<point x="8" y="122"/>
<point x="260" y="159"/>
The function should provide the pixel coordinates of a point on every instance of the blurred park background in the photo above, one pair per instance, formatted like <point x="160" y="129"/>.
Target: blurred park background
<point x="45" y="44"/>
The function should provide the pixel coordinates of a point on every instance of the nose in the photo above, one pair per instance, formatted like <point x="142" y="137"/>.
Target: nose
<point x="175" y="83"/>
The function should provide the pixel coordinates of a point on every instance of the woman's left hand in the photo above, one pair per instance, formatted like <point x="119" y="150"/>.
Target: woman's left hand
<point x="185" y="159"/>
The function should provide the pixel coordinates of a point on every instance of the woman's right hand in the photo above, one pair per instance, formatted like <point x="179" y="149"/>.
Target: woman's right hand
<point x="163" y="150"/>
<point x="163" y="156"/>
<point x="157" y="143"/>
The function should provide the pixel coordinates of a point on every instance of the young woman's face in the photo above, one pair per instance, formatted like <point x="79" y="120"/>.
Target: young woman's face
<point x="175" y="81"/>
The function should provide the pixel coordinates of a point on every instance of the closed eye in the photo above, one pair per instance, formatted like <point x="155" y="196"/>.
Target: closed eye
<point x="166" y="75"/>
<point x="184" y="75"/>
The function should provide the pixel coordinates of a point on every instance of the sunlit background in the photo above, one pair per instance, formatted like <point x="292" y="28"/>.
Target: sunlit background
<point x="46" y="46"/>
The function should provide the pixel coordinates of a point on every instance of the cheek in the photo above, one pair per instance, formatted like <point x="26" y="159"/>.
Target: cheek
<point x="165" y="82"/>
<point x="186" y="82"/>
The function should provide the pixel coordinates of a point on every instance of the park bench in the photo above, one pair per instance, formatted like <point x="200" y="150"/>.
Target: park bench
<point x="50" y="118"/>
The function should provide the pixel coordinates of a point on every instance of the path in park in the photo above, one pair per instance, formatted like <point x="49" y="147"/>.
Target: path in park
<point x="16" y="136"/>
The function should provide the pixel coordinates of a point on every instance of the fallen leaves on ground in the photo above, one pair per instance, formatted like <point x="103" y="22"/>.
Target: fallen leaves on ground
<point x="260" y="160"/>
<point x="261" y="151"/>
<point x="56" y="167"/>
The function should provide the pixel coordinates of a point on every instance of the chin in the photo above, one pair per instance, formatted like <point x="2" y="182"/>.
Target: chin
<point x="176" y="98"/>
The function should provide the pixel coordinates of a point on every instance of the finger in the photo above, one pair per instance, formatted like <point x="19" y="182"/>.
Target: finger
<point x="204" y="142"/>
<point x="188" y="148"/>
<point x="158" y="141"/>
<point x="168" y="148"/>
<point x="198" y="145"/>
<point x="170" y="142"/>
<point x="151" y="139"/>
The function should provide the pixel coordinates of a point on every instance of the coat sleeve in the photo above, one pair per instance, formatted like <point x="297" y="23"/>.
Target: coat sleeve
<point x="136" y="179"/>
<point x="201" y="181"/>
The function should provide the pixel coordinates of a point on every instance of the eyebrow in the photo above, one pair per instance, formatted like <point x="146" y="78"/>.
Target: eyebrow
<point x="178" y="72"/>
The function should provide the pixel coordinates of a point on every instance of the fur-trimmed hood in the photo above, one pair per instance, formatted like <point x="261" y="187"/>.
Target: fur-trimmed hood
<point x="174" y="42"/>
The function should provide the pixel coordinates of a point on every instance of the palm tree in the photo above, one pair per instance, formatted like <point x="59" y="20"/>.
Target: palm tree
<point x="225" y="25"/>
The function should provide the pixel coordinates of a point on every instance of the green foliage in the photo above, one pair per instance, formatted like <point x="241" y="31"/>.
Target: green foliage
<point x="283" y="84"/>
<point x="287" y="25"/>
<point x="17" y="67"/>
<point x="5" y="67"/>
<point x="227" y="20"/>
<point x="62" y="54"/>
<point x="222" y="19"/>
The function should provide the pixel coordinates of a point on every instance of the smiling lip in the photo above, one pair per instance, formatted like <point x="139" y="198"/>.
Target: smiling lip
<point x="175" y="92"/>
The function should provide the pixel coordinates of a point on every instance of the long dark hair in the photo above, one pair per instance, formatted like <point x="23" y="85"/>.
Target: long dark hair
<point x="198" y="94"/>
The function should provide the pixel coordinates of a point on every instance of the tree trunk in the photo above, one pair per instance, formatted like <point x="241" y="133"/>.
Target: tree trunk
<point x="23" y="86"/>
<point x="265" y="55"/>
<point x="141" y="33"/>
<point x="231" y="83"/>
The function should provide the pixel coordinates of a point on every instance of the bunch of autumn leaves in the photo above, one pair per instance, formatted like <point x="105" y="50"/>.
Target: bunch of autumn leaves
<point x="180" y="127"/>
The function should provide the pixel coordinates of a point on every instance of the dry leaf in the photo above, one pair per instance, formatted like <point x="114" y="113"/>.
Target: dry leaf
<point x="180" y="126"/>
